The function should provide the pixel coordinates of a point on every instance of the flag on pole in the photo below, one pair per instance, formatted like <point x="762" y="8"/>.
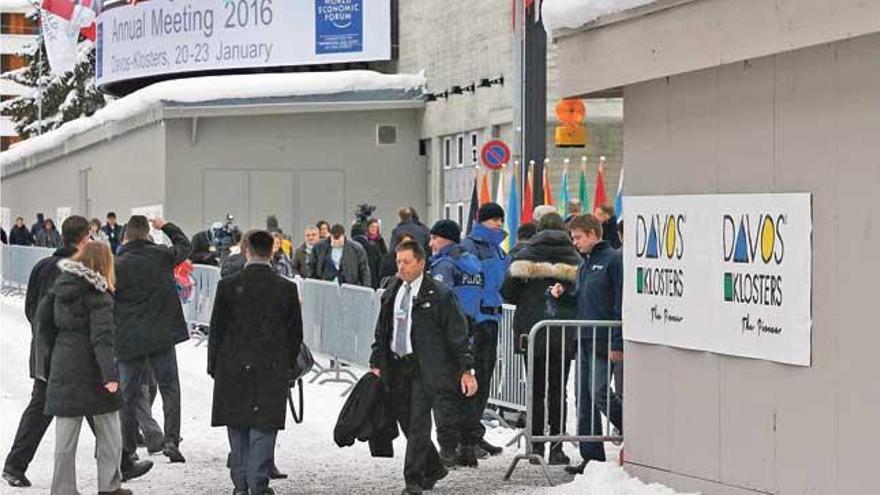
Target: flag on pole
<point x="512" y="214"/>
<point x="600" y="198"/>
<point x="62" y="22"/>
<point x="499" y="199"/>
<point x="548" y="189"/>
<point x="563" y="193"/>
<point x="618" y="202"/>
<point x="527" y="204"/>
<point x="472" y="211"/>
<point x="582" y="187"/>
<point x="485" y="190"/>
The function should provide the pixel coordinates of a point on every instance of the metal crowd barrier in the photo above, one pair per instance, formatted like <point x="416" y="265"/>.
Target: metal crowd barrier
<point x="17" y="263"/>
<point x="198" y="309"/>
<point x="508" y="388"/>
<point x="595" y="397"/>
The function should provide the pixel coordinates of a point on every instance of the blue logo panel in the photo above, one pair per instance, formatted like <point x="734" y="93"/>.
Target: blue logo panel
<point x="339" y="26"/>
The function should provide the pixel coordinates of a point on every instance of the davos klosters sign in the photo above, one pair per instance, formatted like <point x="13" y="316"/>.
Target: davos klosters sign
<point x="158" y="37"/>
<point x="730" y="274"/>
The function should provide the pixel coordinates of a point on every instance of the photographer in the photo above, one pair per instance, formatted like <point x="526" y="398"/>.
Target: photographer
<point x="212" y="246"/>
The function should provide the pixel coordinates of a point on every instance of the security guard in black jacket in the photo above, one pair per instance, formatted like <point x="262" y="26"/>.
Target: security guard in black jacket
<point x="421" y="349"/>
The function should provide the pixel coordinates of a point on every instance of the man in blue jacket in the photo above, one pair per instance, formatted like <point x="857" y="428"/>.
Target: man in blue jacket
<point x="460" y="271"/>
<point x="484" y="242"/>
<point x="599" y="296"/>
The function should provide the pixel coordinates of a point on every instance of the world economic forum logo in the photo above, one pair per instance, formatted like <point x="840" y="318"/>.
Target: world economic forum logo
<point x="660" y="237"/>
<point x="753" y="245"/>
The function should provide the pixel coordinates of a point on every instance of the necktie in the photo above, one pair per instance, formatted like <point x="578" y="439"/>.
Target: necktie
<point x="403" y="321"/>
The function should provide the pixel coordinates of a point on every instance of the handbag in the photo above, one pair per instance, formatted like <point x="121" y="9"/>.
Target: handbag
<point x="304" y="363"/>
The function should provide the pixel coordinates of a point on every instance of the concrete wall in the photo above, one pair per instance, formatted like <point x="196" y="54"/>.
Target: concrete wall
<point x="123" y="173"/>
<point x="799" y="121"/>
<point x="301" y="167"/>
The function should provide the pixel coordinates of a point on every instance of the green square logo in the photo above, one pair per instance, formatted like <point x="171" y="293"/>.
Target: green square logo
<point x="640" y="281"/>
<point x="728" y="287"/>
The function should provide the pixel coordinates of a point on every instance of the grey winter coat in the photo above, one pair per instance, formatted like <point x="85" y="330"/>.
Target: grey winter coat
<point x="76" y="333"/>
<point x="49" y="238"/>
<point x="354" y="267"/>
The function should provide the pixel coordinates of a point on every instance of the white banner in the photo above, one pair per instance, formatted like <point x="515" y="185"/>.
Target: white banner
<point x="724" y="273"/>
<point x="61" y="42"/>
<point x="166" y="37"/>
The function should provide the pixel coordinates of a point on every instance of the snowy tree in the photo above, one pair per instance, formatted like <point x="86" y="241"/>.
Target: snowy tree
<point x="65" y="97"/>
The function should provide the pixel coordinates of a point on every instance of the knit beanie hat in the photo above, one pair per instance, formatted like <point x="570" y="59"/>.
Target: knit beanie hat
<point x="490" y="211"/>
<point x="447" y="229"/>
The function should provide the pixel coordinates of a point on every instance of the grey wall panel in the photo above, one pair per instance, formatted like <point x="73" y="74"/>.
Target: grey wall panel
<point x="225" y="192"/>
<point x="799" y="121"/>
<point x="342" y="142"/>
<point x="320" y="196"/>
<point x="271" y="193"/>
<point x="126" y="172"/>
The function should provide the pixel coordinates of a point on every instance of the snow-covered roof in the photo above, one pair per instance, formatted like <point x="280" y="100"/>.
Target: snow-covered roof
<point x="572" y="14"/>
<point x="218" y="89"/>
<point x="16" y="5"/>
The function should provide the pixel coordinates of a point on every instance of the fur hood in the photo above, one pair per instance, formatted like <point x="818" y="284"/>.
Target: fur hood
<point x="77" y="269"/>
<point x="532" y="270"/>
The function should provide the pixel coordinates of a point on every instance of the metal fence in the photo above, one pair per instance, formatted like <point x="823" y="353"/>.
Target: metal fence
<point x="17" y="262"/>
<point x="599" y="402"/>
<point x="338" y="323"/>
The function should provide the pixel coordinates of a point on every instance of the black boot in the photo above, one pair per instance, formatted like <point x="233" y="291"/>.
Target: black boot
<point x="432" y="479"/>
<point x="276" y="474"/>
<point x="558" y="457"/>
<point x="579" y="469"/>
<point x="490" y="449"/>
<point x="118" y="491"/>
<point x="131" y="469"/>
<point x="467" y="456"/>
<point x="15" y="478"/>
<point x="537" y="449"/>
<point x="173" y="453"/>
<point x="448" y="457"/>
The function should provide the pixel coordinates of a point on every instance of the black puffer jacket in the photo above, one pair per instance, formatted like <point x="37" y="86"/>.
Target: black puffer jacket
<point x="149" y="317"/>
<point x="549" y="258"/>
<point x="76" y="330"/>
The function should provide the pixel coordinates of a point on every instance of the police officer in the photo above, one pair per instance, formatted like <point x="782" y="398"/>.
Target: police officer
<point x="484" y="242"/>
<point x="461" y="272"/>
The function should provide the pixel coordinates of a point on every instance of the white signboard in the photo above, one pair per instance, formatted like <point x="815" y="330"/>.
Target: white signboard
<point x="730" y="274"/>
<point x="166" y="36"/>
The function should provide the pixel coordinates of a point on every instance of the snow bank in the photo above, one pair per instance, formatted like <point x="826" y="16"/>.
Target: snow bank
<point x="212" y="88"/>
<point x="608" y="479"/>
<point x="572" y="14"/>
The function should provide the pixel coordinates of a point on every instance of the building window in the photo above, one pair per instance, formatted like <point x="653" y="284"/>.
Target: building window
<point x="16" y="23"/>
<point x="7" y="141"/>
<point x="461" y="218"/>
<point x="448" y="209"/>
<point x="460" y="148"/>
<point x="447" y="152"/>
<point x="10" y="62"/>
<point x="496" y="132"/>
<point x="475" y="151"/>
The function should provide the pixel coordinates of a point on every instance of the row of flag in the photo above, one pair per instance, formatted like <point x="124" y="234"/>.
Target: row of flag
<point x="516" y="210"/>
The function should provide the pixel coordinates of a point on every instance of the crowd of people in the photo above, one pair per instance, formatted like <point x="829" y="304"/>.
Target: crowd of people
<point x="106" y="316"/>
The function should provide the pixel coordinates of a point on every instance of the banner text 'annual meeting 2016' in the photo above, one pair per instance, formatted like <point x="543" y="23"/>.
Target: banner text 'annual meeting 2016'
<point x="237" y="14"/>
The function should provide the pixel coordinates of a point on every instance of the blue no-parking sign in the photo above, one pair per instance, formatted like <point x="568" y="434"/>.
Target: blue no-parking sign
<point x="495" y="154"/>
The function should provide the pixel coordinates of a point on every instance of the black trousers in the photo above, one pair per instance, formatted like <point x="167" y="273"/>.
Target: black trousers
<point x="549" y="386"/>
<point x="485" y="351"/>
<point x="412" y="408"/>
<point x="131" y="374"/>
<point x="449" y="415"/>
<point x="31" y="428"/>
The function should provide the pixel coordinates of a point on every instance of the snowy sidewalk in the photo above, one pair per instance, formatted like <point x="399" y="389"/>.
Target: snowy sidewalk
<point x="305" y="451"/>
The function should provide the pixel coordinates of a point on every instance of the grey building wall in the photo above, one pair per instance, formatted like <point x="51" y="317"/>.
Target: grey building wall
<point x="805" y="120"/>
<point x="457" y="43"/>
<point x="301" y="167"/>
<point x="111" y="175"/>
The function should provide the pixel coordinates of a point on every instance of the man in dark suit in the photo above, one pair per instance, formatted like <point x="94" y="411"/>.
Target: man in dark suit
<point x="256" y="334"/>
<point x="149" y="323"/>
<point x="420" y="350"/>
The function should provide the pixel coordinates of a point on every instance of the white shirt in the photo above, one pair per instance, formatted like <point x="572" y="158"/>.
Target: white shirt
<point x="398" y="301"/>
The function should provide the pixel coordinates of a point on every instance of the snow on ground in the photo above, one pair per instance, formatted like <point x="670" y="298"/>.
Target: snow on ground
<point x="305" y="451"/>
<point x="213" y="88"/>
<point x="573" y="14"/>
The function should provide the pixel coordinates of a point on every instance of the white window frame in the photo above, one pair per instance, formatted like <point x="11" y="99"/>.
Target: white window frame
<point x="448" y="209"/>
<point x="461" y="217"/>
<point x="447" y="153"/>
